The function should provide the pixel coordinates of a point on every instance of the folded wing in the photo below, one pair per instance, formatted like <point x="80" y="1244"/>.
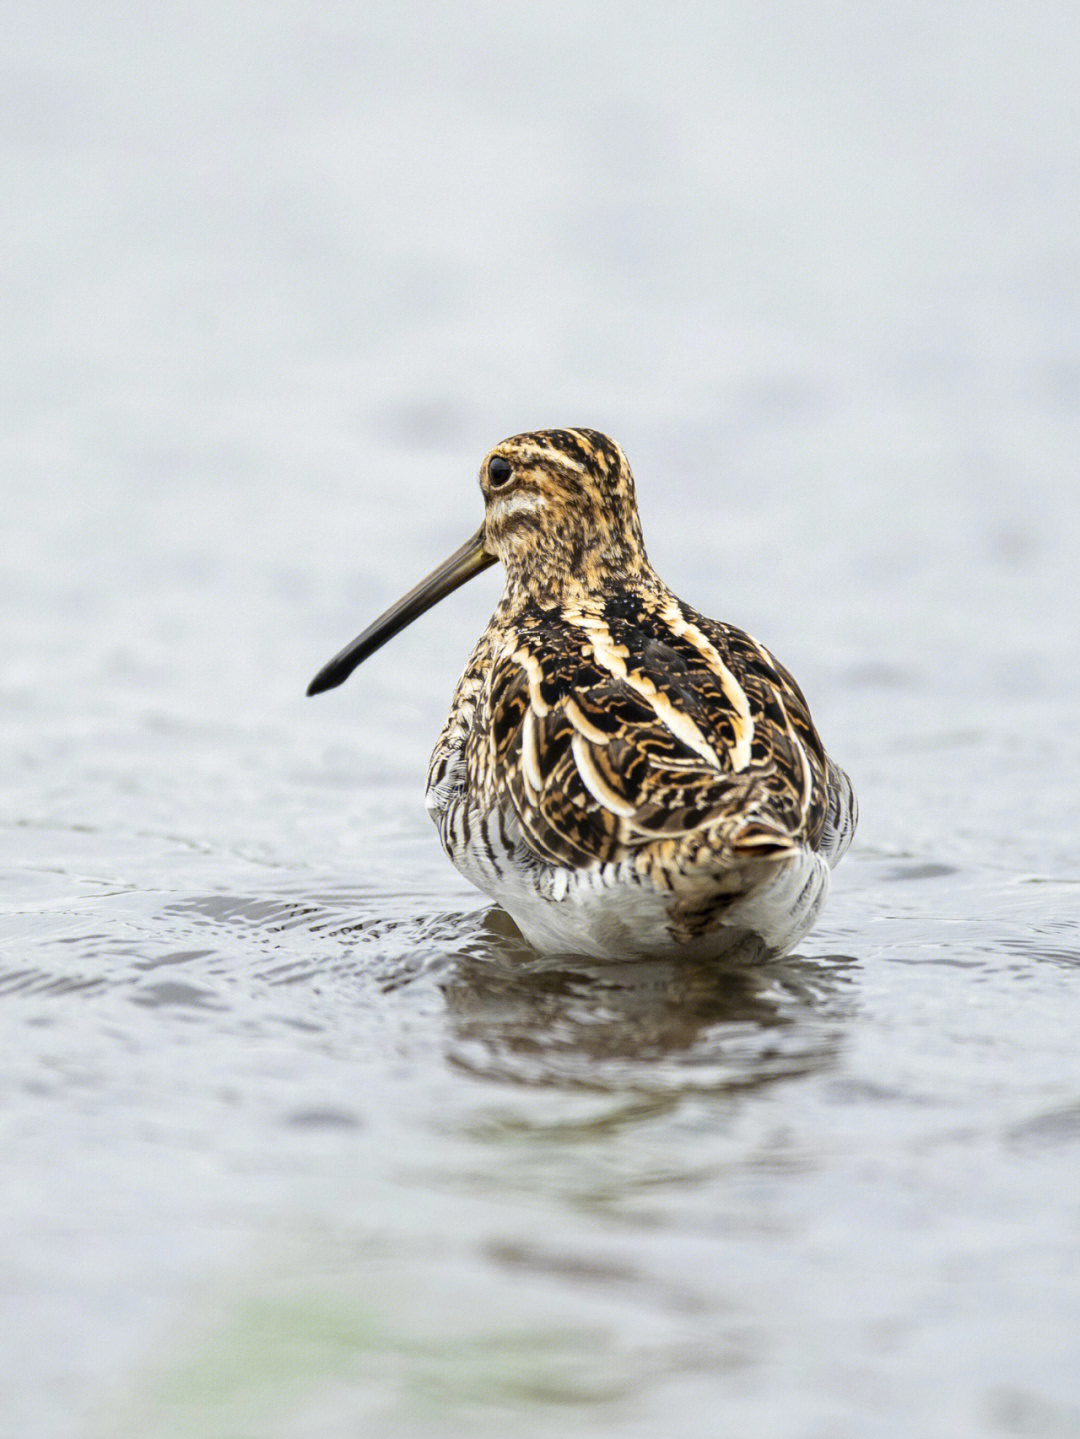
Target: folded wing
<point x="665" y="750"/>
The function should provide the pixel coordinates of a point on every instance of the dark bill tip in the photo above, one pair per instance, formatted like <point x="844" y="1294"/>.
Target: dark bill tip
<point x="332" y="674"/>
<point x="461" y="566"/>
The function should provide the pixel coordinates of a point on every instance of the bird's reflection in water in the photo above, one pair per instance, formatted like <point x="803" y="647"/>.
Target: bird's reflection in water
<point x="647" y="1025"/>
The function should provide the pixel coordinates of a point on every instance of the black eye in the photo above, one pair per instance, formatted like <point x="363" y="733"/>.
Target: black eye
<point x="499" y="471"/>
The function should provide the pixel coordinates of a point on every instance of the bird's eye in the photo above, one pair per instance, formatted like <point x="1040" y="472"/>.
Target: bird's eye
<point x="499" y="471"/>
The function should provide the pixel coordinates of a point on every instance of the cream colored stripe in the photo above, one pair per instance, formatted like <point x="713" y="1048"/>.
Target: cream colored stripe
<point x="582" y="725"/>
<point x="535" y="673"/>
<point x="742" y="720"/>
<point x="530" y="760"/>
<point x="503" y="506"/>
<point x="613" y="658"/>
<point x="544" y="452"/>
<point x="593" y="781"/>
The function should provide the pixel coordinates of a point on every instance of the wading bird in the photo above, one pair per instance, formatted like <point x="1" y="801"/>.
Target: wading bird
<point x="623" y="775"/>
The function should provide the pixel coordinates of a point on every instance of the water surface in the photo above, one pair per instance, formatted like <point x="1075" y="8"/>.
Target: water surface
<point x="296" y="1138"/>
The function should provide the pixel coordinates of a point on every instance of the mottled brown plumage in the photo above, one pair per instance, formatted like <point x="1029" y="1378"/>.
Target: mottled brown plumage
<point x="622" y="773"/>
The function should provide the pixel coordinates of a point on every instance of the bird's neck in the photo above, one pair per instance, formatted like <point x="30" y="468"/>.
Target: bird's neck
<point x="565" y="578"/>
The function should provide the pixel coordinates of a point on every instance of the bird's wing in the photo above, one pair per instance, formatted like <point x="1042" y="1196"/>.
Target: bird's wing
<point x="679" y="742"/>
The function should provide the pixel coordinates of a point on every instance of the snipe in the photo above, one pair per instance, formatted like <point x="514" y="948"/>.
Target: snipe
<point x="625" y="776"/>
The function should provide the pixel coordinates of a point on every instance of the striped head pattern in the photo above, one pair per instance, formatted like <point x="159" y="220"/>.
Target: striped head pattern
<point x="562" y="514"/>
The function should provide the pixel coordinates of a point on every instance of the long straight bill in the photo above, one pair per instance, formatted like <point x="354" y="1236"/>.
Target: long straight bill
<point x="461" y="566"/>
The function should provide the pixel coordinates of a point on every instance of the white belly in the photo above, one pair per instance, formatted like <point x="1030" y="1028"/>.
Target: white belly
<point x="606" y="916"/>
<point x="609" y="912"/>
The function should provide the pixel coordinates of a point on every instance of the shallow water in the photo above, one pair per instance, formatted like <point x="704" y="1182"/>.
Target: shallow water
<point x="296" y="1139"/>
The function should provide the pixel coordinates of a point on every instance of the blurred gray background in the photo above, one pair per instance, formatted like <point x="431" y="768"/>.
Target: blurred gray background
<point x="274" y="278"/>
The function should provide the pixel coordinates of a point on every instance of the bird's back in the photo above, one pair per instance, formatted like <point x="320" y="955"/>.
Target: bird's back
<point x="630" y="751"/>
